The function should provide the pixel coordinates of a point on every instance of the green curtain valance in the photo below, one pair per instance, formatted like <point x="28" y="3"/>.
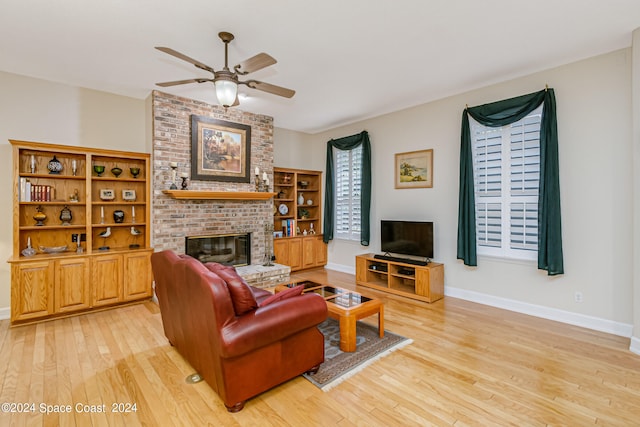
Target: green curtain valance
<point x="348" y="143"/>
<point x="550" y="257"/>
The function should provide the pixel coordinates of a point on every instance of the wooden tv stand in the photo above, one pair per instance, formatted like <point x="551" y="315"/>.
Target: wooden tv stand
<point x="424" y="283"/>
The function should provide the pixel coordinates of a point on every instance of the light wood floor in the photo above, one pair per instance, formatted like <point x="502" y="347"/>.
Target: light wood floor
<point x="469" y="364"/>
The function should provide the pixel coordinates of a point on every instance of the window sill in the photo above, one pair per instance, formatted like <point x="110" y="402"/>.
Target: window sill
<point x="519" y="261"/>
<point x="350" y="241"/>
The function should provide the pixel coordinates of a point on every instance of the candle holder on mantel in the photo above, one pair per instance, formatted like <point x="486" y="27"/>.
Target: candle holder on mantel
<point x="184" y="182"/>
<point x="268" y="236"/>
<point x="174" y="171"/>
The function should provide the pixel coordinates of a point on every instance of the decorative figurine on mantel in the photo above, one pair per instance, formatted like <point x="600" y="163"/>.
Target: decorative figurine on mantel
<point x="262" y="185"/>
<point x="184" y="177"/>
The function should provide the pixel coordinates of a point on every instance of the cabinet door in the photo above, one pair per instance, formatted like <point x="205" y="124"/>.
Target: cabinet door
<point x="295" y="254"/>
<point x="106" y="278"/>
<point x="32" y="290"/>
<point x="308" y="252"/>
<point x="288" y="252"/>
<point x="320" y="251"/>
<point x="281" y="251"/>
<point x="137" y="276"/>
<point x="314" y="252"/>
<point x="72" y="285"/>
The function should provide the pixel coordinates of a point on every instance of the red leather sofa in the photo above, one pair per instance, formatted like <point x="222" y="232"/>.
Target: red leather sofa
<point x="222" y="327"/>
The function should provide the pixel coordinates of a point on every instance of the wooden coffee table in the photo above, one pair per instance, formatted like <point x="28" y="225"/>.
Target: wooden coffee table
<point x="345" y="306"/>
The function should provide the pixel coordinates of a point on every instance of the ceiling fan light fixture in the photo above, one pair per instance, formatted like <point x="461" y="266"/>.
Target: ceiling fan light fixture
<point x="226" y="91"/>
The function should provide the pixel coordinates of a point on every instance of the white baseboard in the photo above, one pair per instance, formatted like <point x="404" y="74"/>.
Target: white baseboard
<point x="5" y="313"/>
<point x="582" y="320"/>
<point x="341" y="268"/>
<point x="590" y="322"/>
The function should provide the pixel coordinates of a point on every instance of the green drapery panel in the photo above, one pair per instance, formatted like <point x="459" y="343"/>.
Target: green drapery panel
<point x="348" y="143"/>
<point x="549" y="219"/>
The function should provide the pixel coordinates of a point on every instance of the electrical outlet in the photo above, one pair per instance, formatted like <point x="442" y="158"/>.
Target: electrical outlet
<point x="578" y="297"/>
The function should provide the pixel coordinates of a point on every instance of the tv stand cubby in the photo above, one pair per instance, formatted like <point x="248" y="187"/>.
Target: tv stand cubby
<point x="424" y="283"/>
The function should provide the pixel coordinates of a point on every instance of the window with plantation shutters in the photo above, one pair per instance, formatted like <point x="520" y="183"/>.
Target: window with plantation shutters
<point x="506" y="180"/>
<point x="348" y="180"/>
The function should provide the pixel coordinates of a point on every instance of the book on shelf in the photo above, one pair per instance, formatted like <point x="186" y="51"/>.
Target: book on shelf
<point x="34" y="192"/>
<point x="289" y="227"/>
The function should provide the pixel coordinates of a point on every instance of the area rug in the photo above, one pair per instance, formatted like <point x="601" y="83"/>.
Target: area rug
<point x="339" y="365"/>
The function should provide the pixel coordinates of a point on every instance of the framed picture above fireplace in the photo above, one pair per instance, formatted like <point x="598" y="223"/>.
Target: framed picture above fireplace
<point x="220" y="150"/>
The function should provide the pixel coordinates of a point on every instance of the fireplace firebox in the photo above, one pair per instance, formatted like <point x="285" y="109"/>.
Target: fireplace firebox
<point x="228" y="249"/>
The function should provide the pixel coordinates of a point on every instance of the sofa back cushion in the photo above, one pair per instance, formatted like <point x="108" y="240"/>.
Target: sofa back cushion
<point x="241" y="296"/>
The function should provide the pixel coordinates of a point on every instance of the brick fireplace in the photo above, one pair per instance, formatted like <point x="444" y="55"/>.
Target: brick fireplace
<point x="173" y="220"/>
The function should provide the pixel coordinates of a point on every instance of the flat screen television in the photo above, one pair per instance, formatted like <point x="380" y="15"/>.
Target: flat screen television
<point x="407" y="238"/>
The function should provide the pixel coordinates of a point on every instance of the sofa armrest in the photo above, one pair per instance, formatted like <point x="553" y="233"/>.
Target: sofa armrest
<point x="272" y="323"/>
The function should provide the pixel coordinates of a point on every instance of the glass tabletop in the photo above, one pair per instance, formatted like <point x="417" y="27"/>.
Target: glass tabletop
<point x="338" y="296"/>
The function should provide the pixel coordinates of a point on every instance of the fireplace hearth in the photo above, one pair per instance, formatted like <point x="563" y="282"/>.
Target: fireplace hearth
<point x="228" y="249"/>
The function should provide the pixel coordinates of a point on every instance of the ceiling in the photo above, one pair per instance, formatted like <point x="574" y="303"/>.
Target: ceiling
<point x="347" y="60"/>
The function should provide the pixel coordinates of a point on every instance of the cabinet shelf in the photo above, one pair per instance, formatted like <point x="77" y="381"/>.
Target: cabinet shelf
<point x="51" y="227"/>
<point x="51" y="176"/>
<point x="114" y="179"/>
<point x="54" y="203"/>
<point x="119" y="224"/>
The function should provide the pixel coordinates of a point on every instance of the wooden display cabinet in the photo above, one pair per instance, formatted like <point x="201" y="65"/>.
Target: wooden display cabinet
<point x="424" y="283"/>
<point x="77" y="205"/>
<point x="298" y="216"/>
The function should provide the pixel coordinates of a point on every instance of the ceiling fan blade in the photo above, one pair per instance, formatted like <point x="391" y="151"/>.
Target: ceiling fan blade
<point x="182" y="82"/>
<point x="185" y="58"/>
<point x="268" y="87"/>
<point x="254" y="63"/>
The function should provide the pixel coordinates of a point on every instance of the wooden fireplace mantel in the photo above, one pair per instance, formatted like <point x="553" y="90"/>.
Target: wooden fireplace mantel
<point x="217" y="195"/>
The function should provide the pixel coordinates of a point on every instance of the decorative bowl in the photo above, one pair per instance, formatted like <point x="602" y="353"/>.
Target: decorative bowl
<point x="116" y="171"/>
<point x="53" y="249"/>
<point x="134" y="172"/>
<point x="98" y="169"/>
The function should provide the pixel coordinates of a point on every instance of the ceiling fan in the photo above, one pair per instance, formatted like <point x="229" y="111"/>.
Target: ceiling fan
<point x="226" y="81"/>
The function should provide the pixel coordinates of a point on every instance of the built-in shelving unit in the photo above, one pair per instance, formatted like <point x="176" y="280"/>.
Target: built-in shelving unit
<point x="297" y="218"/>
<point x="89" y="232"/>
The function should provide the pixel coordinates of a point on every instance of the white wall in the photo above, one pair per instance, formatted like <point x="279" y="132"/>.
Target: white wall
<point x="635" y="84"/>
<point x="37" y="110"/>
<point x="595" y="148"/>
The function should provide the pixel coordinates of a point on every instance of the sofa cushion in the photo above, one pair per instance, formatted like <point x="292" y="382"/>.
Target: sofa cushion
<point x="241" y="295"/>
<point x="287" y="293"/>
